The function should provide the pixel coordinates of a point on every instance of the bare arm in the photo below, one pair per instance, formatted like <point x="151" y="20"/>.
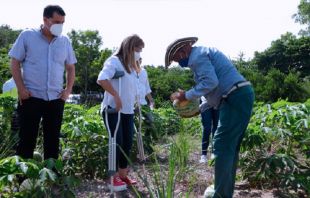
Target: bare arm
<point x="149" y="97"/>
<point x="70" y="77"/>
<point x="151" y="100"/>
<point x="23" y="93"/>
<point x="106" y="85"/>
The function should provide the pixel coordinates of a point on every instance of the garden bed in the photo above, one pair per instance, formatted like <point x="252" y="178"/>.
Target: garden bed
<point x="203" y="174"/>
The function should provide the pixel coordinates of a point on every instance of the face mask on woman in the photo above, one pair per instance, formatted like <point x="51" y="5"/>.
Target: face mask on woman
<point x="137" y="56"/>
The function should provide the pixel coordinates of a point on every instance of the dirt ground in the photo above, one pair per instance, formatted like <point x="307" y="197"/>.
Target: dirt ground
<point x="200" y="174"/>
<point x="203" y="177"/>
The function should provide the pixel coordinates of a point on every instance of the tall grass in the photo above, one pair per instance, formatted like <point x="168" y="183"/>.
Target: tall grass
<point x="163" y="176"/>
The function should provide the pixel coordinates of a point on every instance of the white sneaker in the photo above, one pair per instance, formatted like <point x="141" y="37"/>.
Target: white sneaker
<point x="203" y="159"/>
<point x="209" y="192"/>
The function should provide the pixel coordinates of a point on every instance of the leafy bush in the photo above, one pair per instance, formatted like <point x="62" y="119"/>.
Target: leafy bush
<point x="8" y="137"/>
<point x="192" y="126"/>
<point x="85" y="142"/>
<point x="276" y="146"/>
<point x="165" y="122"/>
<point x="30" y="178"/>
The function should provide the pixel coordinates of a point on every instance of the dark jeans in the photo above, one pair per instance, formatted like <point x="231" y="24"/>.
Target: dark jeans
<point x="31" y="112"/>
<point x="124" y="135"/>
<point x="209" y="119"/>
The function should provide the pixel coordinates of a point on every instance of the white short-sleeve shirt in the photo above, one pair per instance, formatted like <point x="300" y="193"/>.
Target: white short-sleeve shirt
<point x="128" y="85"/>
<point x="143" y="86"/>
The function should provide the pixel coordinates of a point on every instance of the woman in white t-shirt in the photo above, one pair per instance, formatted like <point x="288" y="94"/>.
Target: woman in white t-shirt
<point x="144" y="89"/>
<point x="124" y="60"/>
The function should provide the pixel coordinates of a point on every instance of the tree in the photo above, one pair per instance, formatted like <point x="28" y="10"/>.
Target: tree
<point x="97" y="66"/>
<point x="273" y="84"/>
<point x="164" y="82"/>
<point x="86" y="45"/>
<point x="7" y="38"/>
<point x="303" y="16"/>
<point x="288" y="53"/>
<point x="5" y="73"/>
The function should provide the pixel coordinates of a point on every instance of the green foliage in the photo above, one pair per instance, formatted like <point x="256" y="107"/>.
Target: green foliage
<point x="5" y="73"/>
<point x="192" y="126"/>
<point x="277" y="85"/>
<point x="167" y="122"/>
<point x="85" y="142"/>
<point x="182" y="149"/>
<point x="8" y="137"/>
<point x="307" y="103"/>
<point x="72" y="111"/>
<point x="7" y="38"/>
<point x="163" y="178"/>
<point x="164" y="122"/>
<point x="276" y="146"/>
<point x="30" y="178"/>
<point x="166" y="81"/>
<point x="303" y="16"/>
<point x="86" y="45"/>
<point x="288" y="53"/>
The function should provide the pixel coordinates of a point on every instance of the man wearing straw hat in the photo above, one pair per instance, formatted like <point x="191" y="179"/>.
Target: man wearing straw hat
<point x="224" y="88"/>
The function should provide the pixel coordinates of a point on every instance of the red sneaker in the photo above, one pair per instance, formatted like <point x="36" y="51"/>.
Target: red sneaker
<point x="128" y="181"/>
<point x="118" y="184"/>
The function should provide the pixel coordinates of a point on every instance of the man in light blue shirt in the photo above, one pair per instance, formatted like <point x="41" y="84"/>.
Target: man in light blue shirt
<point x="224" y="88"/>
<point x="39" y="58"/>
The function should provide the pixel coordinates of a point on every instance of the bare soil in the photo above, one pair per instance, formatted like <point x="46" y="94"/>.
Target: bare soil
<point x="202" y="173"/>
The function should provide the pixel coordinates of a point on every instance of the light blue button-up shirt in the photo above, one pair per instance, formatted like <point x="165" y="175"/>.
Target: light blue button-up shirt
<point x="214" y="75"/>
<point x="43" y="63"/>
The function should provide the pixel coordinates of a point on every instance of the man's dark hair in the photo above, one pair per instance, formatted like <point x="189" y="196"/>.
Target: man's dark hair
<point x="50" y="9"/>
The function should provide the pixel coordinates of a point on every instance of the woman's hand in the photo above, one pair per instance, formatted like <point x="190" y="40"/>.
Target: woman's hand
<point x="118" y="102"/>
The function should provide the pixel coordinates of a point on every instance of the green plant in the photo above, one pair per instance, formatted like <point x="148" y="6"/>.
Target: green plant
<point x="30" y="178"/>
<point x="276" y="146"/>
<point x="163" y="177"/>
<point x="8" y="134"/>
<point x="85" y="143"/>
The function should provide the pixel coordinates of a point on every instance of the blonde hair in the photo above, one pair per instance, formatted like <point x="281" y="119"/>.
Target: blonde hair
<point x="126" y="51"/>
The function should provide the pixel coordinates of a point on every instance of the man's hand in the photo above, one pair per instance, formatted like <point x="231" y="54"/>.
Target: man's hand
<point x="64" y="95"/>
<point x="179" y="95"/>
<point x="23" y="94"/>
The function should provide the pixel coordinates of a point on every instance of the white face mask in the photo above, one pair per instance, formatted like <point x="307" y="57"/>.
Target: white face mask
<point x="137" y="56"/>
<point x="56" y="29"/>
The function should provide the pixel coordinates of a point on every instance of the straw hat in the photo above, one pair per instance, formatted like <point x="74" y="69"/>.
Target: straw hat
<point x="175" y="46"/>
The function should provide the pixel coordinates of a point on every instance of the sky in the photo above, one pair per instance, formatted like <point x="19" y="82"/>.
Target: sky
<point x="232" y="26"/>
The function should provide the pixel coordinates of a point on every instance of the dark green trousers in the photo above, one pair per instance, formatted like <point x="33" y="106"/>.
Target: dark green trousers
<point x="235" y="113"/>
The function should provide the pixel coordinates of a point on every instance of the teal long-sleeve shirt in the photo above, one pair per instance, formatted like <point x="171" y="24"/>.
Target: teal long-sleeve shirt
<point x="214" y="75"/>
